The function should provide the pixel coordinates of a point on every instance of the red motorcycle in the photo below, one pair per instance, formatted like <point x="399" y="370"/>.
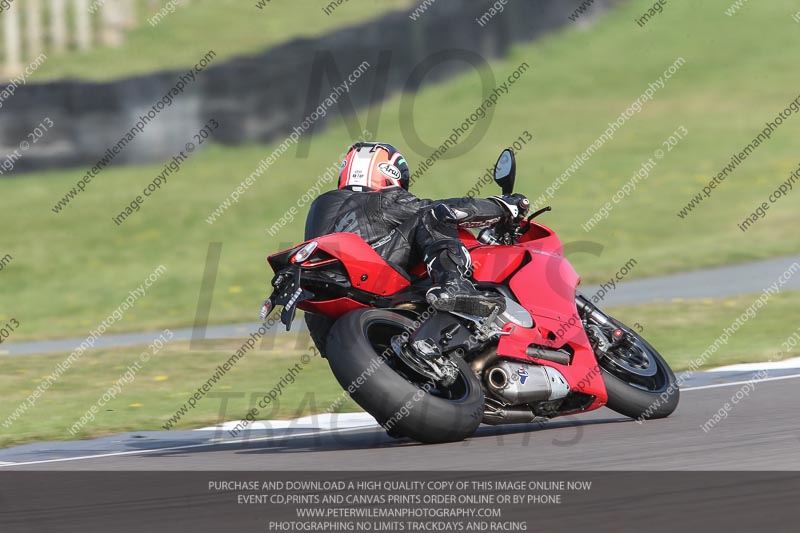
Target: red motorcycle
<point x="435" y="376"/>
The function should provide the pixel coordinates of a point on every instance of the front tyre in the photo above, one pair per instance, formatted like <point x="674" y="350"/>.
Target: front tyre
<point x="401" y="400"/>
<point x="639" y="382"/>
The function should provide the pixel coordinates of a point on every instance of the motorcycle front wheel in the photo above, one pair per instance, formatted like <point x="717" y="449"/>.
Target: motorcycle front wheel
<point x="639" y="382"/>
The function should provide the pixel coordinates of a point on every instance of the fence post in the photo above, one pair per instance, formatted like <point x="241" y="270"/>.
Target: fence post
<point x="129" y="14"/>
<point x="13" y="45"/>
<point x="58" y="25"/>
<point x="111" y="23"/>
<point x="33" y="27"/>
<point x="83" y="25"/>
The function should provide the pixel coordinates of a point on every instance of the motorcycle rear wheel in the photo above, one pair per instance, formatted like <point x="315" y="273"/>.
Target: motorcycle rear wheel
<point x="360" y="356"/>
<point x="319" y="326"/>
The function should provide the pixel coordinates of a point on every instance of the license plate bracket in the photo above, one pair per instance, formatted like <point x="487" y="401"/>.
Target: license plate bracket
<point x="289" y="293"/>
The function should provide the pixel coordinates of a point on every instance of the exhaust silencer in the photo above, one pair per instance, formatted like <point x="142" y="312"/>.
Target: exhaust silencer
<point x="519" y="383"/>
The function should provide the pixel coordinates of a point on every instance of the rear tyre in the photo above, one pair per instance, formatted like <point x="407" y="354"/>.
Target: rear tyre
<point x="361" y="358"/>
<point x="319" y="326"/>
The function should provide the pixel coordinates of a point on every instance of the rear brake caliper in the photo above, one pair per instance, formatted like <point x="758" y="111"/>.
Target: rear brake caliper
<point x="425" y="358"/>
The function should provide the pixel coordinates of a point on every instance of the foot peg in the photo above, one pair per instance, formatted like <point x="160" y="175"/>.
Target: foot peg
<point x="478" y="304"/>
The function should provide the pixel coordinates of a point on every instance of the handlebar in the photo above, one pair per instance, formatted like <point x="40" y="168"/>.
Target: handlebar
<point x="504" y="233"/>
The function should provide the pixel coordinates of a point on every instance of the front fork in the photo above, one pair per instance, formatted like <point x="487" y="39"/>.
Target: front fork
<point x="587" y="310"/>
<point x="603" y="333"/>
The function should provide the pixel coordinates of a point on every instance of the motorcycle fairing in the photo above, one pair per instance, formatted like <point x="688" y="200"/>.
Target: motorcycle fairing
<point x="366" y="270"/>
<point x="494" y="264"/>
<point x="332" y="308"/>
<point x="556" y="325"/>
<point x="545" y="285"/>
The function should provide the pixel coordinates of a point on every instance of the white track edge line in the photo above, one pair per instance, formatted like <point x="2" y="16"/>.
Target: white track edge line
<point x="262" y="439"/>
<point x="182" y="447"/>
<point x="731" y="384"/>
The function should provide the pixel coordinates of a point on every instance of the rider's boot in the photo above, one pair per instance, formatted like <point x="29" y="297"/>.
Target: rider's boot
<point x="452" y="290"/>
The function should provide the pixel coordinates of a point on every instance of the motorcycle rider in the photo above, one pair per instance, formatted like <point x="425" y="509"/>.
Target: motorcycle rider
<point x="372" y="200"/>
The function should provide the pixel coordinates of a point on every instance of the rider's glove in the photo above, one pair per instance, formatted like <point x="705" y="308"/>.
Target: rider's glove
<point x="516" y="204"/>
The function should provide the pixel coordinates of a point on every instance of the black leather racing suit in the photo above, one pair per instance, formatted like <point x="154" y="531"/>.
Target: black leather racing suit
<point x="402" y="228"/>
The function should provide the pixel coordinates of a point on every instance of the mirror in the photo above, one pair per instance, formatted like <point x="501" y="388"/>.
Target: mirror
<point x="505" y="171"/>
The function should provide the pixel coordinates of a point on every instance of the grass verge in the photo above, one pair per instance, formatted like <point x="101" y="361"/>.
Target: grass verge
<point x="229" y="27"/>
<point x="159" y="389"/>
<point x="70" y="270"/>
<point x="682" y="330"/>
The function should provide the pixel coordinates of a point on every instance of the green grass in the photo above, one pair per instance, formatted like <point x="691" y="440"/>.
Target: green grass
<point x="70" y="270"/>
<point x="229" y="27"/>
<point x="681" y="331"/>
<point x="158" y="390"/>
